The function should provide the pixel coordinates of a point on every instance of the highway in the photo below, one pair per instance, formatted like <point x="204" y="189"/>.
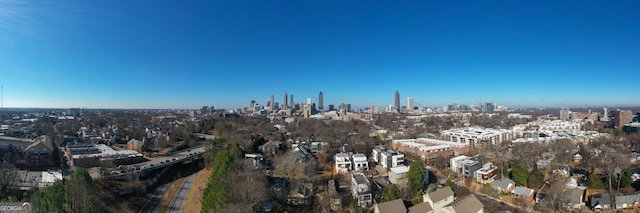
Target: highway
<point x="156" y="198"/>
<point x="161" y="161"/>
<point x="177" y="202"/>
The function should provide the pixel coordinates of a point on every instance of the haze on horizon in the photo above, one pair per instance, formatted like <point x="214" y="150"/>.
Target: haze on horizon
<point x="171" y="54"/>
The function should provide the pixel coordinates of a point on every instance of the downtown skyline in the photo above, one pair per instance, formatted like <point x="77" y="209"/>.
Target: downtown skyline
<point x="104" y="54"/>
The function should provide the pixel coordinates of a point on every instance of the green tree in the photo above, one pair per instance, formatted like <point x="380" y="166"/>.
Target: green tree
<point x="378" y="140"/>
<point x="595" y="182"/>
<point x="450" y="184"/>
<point x="520" y="175"/>
<point x="416" y="177"/>
<point x="393" y="192"/>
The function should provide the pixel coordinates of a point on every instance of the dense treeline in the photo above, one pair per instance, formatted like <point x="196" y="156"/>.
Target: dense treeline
<point x="76" y="194"/>
<point x="216" y="194"/>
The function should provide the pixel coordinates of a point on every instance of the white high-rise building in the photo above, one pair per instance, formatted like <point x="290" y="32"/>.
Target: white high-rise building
<point x="409" y="104"/>
<point x="309" y="102"/>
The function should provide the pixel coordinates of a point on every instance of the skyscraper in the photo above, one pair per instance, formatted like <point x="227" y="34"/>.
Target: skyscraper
<point x="409" y="104"/>
<point x="284" y="101"/>
<point x="320" y="101"/>
<point x="292" y="105"/>
<point x="397" y="101"/>
<point x="271" y="103"/>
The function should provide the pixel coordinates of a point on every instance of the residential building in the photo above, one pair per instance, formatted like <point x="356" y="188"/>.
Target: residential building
<point x="477" y="136"/>
<point x="390" y="159"/>
<point x="342" y="162"/>
<point x="361" y="190"/>
<point x="456" y="163"/>
<point x="360" y="163"/>
<point x="487" y="174"/>
<point x="523" y="193"/>
<point x="577" y="158"/>
<point x="422" y="150"/>
<point x="335" y="200"/>
<point x="468" y="204"/>
<point x="564" y="114"/>
<point x="622" y="117"/>
<point x="394" y="206"/>
<point x="574" y="198"/>
<point x="300" y="195"/>
<point x="504" y="186"/>
<point x="421" y="208"/>
<point x="40" y="154"/>
<point x="470" y="167"/>
<point x="439" y="198"/>
<point x="398" y="175"/>
<point x="136" y="145"/>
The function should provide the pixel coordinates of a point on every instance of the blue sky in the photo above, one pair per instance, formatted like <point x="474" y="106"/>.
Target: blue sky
<point x="177" y="54"/>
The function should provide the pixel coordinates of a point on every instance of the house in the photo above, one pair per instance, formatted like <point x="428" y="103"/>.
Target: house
<point x="361" y="190"/>
<point x="360" y="163"/>
<point x="342" y="162"/>
<point x="468" y="204"/>
<point x="523" y="193"/>
<point x="504" y="186"/>
<point x="456" y="163"/>
<point x="398" y="174"/>
<point x="487" y="174"/>
<point x="439" y="198"/>
<point x="600" y="201"/>
<point x="394" y="206"/>
<point x="470" y="167"/>
<point x="390" y="159"/>
<point x="628" y="201"/>
<point x="577" y="158"/>
<point x="300" y="195"/>
<point x="335" y="200"/>
<point x="543" y="163"/>
<point x="574" y="198"/>
<point x="421" y="208"/>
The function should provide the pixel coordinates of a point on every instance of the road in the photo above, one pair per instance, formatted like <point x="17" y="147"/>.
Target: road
<point x="177" y="202"/>
<point x="156" y="198"/>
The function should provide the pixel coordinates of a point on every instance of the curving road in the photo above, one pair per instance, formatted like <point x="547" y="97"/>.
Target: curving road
<point x="177" y="202"/>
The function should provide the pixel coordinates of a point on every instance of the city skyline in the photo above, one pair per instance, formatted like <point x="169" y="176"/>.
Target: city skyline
<point x="104" y="54"/>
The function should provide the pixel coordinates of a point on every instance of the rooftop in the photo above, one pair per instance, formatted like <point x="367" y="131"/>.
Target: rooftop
<point x="394" y="206"/>
<point x="441" y="194"/>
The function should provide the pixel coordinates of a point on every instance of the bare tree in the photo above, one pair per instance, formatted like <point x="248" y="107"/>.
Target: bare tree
<point x="8" y="178"/>
<point x="247" y="187"/>
<point x="554" y="198"/>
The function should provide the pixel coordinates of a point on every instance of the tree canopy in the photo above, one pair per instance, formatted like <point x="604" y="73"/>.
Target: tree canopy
<point x="416" y="177"/>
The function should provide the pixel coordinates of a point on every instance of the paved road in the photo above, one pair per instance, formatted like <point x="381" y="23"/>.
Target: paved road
<point x="177" y="202"/>
<point x="156" y="198"/>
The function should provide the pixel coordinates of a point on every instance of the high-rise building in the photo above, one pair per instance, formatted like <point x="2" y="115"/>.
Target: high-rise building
<point x="291" y="104"/>
<point x="565" y="114"/>
<point x="284" y="101"/>
<point x="309" y="102"/>
<point x="621" y="118"/>
<point x="396" y="103"/>
<point x="409" y="104"/>
<point x="271" y="104"/>
<point x="320" y="101"/>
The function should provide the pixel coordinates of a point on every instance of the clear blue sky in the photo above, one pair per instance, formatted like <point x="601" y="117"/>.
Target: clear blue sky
<point x="177" y="54"/>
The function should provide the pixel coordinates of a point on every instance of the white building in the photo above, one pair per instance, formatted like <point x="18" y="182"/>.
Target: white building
<point x="487" y="174"/>
<point x="476" y="135"/>
<point x="398" y="175"/>
<point x="456" y="163"/>
<point x="390" y="159"/>
<point x="361" y="190"/>
<point x="439" y="199"/>
<point x="360" y="163"/>
<point x="559" y="125"/>
<point x="342" y="162"/>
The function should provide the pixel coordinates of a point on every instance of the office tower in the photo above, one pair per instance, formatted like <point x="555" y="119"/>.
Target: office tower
<point x="284" y="101"/>
<point x="309" y="102"/>
<point x="252" y="104"/>
<point x="320" y="101"/>
<point x="331" y="107"/>
<point x="291" y="104"/>
<point x="271" y="103"/>
<point x="396" y="103"/>
<point x="621" y="118"/>
<point x="409" y="104"/>
<point x="605" y="113"/>
<point x="565" y="114"/>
